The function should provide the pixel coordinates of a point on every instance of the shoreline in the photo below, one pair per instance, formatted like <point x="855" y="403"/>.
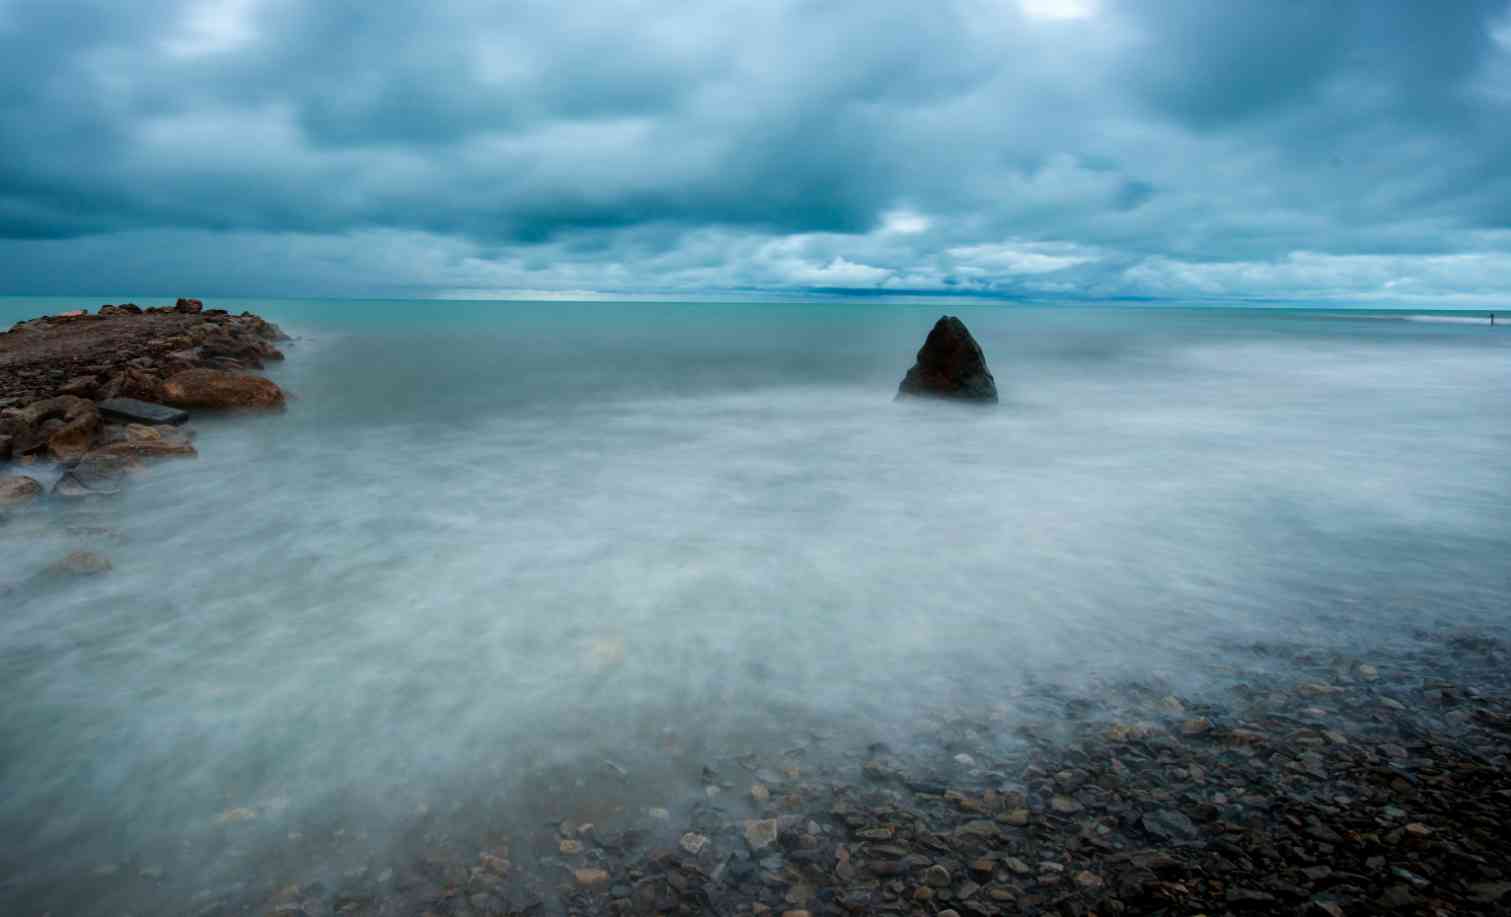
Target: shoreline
<point x="1311" y="784"/>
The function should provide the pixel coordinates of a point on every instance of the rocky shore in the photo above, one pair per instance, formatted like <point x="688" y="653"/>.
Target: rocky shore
<point x="93" y="395"/>
<point x="1312" y="784"/>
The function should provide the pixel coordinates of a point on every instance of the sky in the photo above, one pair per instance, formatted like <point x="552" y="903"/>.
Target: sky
<point x="1184" y="150"/>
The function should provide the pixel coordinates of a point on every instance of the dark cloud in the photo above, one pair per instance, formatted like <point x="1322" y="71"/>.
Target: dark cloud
<point x="1021" y="148"/>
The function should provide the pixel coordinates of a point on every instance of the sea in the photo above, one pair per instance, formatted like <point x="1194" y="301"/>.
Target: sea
<point x="505" y="563"/>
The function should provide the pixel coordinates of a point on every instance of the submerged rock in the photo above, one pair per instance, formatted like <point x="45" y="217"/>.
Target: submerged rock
<point x="81" y="563"/>
<point x="18" y="489"/>
<point x="950" y="365"/>
<point x="218" y="389"/>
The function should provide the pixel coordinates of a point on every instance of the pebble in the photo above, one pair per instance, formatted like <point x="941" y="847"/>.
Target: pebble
<point x="760" y="833"/>
<point x="759" y="792"/>
<point x="591" y="877"/>
<point x="693" y="843"/>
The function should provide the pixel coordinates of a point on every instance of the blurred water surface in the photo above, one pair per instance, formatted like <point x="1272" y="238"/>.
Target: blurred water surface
<point x="492" y="541"/>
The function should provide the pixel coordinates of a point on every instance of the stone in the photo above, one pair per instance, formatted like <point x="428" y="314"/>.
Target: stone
<point x="693" y="843"/>
<point x="19" y="489"/>
<point x="220" y="390"/>
<point x="81" y="563"/>
<point x="79" y="386"/>
<point x="950" y="365"/>
<point x="147" y="448"/>
<point x="936" y="876"/>
<point x="760" y="833"/>
<point x="64" y="425"/>
<point x="130" y="410"/>
<point x="188" y="306"/>
<point x="591" y="877"/>
<point x="132" y="383"/>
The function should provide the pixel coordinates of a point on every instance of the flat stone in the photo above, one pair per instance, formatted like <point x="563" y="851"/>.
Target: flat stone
<point x="134" y="411"/>
<point x="760" y="832"/>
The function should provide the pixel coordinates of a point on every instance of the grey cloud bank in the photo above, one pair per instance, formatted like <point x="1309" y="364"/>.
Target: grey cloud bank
<point x="1034" y="149"/>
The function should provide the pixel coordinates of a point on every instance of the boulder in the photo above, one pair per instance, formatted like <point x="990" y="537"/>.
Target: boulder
<point x="81" y="563"/>
<point x="133" y="411"/>
<point x="950" y="365"/>
<point x="188" y="306"/>
<point x="132" y="383"/>
<point x="64" y="425"/>
<point x="79" y="386"/>
<point x="18" y="489"/>
<point x="219" y="390"/>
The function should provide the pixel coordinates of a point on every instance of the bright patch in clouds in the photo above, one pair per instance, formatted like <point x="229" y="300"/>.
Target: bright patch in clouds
<point x="214" y="27"/>
<point x="1022" y="258"/>
<point x="905" y="223"/>
<point x="1058" y="9"/>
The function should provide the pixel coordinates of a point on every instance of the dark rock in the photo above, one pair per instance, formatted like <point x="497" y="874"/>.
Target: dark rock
<point x="131" y="410"/>
<point x="188" y="306"/>
<point x="950" y="365"/>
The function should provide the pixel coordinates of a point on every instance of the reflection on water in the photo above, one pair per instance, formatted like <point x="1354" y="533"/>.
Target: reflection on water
<point x="517" y="561"/>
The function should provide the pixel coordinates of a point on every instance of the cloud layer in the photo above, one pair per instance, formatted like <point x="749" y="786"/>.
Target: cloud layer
<point x="1008" y="148"/>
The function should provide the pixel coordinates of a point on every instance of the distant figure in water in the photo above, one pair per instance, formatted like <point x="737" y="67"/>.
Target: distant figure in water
<point x="1492" y="318"/>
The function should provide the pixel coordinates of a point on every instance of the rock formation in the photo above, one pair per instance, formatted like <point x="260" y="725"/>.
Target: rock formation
<point x="950" y="365"/>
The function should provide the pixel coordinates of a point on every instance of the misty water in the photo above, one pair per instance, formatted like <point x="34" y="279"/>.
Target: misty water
<point x="503" y="563"/>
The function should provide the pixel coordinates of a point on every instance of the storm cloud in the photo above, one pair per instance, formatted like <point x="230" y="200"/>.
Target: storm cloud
<point x="1086" y="149"/>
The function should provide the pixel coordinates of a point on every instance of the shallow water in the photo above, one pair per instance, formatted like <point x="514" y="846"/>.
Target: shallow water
<point x="494" y="555"/>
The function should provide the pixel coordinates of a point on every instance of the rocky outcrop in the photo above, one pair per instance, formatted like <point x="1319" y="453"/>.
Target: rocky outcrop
<point x="124" y="357"/>
<point x="18" y="489"/>
<point x="950" y="365"/>
<point x="216" y="389"/>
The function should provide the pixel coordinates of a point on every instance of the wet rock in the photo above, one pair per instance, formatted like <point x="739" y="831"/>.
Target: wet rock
<point x="1170" y="824"/>
<point x="130" y="410"/>
<point x="950" y="365"/>
<point x="219" y="390"/>
<point x="16" y="490"/>
<point x="693" y="842"/>
<point x="81" y="563"/>
<point x="760" y="833"/>
<point x="936" y="876"/>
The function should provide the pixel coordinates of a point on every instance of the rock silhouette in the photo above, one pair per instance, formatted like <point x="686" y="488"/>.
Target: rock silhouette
<point x="950" y="365"/>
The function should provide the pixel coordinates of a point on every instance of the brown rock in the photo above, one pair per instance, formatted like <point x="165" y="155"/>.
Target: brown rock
<point x="79" y="386"/>
<point x="188" y="306"/>
<point x="81" y="563"/>
<point x="132" y="382"/>
<point x="950" y="365"/>
<point x="217" y="389"/>
<point x="65" y="425"/>
<point x="147" y="448"/>
<point x="18" y="489"/>
<point x="591" y="877"/>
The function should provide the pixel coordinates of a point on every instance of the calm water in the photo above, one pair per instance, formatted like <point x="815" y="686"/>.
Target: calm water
<point x="490" y="547"/>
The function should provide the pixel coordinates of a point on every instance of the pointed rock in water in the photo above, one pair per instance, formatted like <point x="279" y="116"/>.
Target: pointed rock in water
<point x="950" y="365"/>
